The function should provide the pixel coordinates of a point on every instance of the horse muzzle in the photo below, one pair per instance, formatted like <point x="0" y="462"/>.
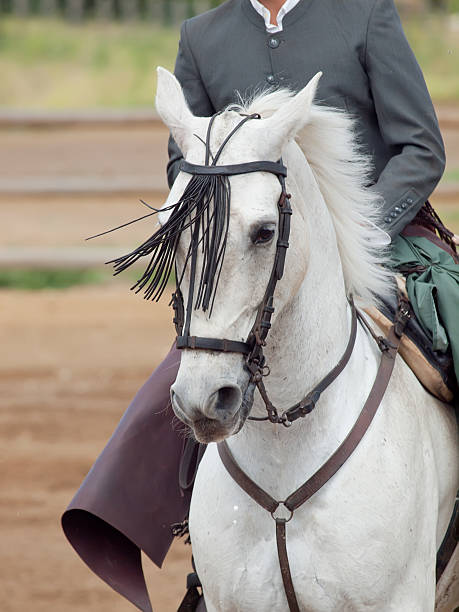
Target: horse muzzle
<point x="212" y="416"/>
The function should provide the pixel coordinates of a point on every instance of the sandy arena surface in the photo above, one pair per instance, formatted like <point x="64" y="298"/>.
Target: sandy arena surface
<point x="71" y="362"/>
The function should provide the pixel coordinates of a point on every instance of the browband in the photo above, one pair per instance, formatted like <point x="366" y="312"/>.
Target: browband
<point x="277" y="168"/>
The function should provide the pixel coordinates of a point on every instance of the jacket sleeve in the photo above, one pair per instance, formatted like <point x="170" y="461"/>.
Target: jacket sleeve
<point x="195" y="93"/>
<point x="406" y="118"/>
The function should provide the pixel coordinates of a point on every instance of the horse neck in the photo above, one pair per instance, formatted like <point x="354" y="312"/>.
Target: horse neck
<point x="307" y="340"/>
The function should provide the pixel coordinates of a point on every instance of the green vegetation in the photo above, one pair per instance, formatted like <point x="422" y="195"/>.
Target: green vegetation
<point x="37" y="279"/>
<point x="451" y="175"/>
<point x="435" y="42"/>
<point x="48" y="279"/>
<point x="53" y="64"/>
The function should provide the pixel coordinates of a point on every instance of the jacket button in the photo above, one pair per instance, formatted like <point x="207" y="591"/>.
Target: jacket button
<point x="274" y="43"/>
<point x="393" y="214"/>
<point x="271" y="79"/>
<point x="404" y="204"/>
<point x="409" y="200"/>
<point x="387" y="219"/>
<point x="398" y="209"/>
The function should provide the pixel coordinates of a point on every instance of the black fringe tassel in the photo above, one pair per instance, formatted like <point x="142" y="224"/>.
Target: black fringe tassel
<point x="205" y="203"/>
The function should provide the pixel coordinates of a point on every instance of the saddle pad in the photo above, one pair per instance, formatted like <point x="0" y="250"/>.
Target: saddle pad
<point x="433" y="369"/>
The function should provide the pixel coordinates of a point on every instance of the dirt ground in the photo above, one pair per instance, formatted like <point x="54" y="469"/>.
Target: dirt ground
<point x="71" y="362"/>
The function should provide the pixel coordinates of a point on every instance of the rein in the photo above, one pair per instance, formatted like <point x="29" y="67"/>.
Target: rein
<point x="328" y="469"/>
<point x="308" y="403"/>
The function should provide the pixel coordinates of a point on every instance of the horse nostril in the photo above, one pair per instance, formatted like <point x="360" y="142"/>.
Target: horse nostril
<point x="220" y="405"/>
<point x="228" y="399"/>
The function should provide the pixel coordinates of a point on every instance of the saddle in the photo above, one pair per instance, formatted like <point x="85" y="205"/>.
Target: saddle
<point x="433" y="369"/>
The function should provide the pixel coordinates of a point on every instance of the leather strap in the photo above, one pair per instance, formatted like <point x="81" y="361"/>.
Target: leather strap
<point x="308" y="403"/>
<point x="191" y="456"/>
<point x="327" y="470"/>
<point x="339" y="457"/>
<point x="446" y="550"/>
<point x="244" y="481"/>
<point x="212" y="344"/>
<point x="281" y="541"/>
<point x="350" y="443"/>
<point x="233" y="169"/>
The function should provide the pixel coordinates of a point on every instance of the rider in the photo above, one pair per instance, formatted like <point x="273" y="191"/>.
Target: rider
<point x="132" y="494"/>
<point x="368" y="69"/>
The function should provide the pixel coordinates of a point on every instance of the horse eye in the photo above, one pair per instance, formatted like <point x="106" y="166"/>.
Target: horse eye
<point x="262" y="235"/>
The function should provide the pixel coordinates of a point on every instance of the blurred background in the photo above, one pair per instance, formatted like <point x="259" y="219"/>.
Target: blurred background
<point x="79" y="145"/>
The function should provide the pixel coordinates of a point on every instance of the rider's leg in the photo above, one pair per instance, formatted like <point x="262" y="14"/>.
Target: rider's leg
<point x="131" y="495"/>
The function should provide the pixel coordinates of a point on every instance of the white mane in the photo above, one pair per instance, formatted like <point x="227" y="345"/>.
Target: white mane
<point x="342" y="173"/>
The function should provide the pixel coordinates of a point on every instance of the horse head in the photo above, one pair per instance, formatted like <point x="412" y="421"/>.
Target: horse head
<point x="212" y="393"/>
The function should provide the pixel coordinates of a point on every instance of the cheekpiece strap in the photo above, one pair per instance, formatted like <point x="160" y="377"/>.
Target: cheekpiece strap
<point x="257" y="166"/>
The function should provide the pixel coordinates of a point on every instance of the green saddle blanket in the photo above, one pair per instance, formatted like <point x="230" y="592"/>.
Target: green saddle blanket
<point x="433" y="289"/>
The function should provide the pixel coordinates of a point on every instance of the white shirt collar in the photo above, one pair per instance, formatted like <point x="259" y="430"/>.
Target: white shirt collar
<point x="263" y="11"/>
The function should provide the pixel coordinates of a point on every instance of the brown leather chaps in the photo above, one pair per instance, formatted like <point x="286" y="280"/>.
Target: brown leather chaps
<point x="131" y="495"/>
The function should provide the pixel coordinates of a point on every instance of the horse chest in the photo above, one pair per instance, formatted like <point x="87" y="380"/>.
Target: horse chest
<point x="236" y="559"/>
<point x="347" y="548"/>
<point x="235" y="551"/>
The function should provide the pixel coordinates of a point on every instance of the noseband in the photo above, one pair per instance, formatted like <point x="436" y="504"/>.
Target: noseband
<point x="252" y="348"/>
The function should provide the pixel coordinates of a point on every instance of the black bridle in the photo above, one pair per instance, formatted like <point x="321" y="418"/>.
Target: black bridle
<point x="252" y="348"/>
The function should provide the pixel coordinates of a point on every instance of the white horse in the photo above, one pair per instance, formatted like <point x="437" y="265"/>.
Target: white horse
<point x="368" y="539"/>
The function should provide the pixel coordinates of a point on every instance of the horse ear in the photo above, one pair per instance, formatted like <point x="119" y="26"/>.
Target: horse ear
<point x="173" y="109"/>
<point x="292" y="116"/>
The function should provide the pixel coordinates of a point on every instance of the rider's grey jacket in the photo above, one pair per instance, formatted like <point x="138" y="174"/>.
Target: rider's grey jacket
<point x="369" y="70"/>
